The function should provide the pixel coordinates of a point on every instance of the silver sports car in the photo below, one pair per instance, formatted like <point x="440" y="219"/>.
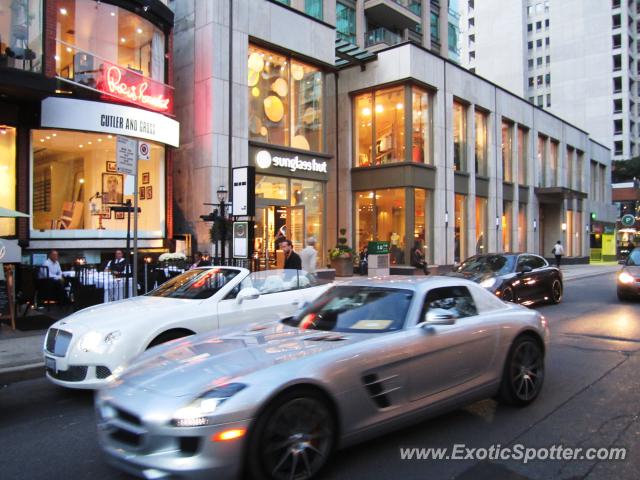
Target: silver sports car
<point x="273" y="400"/>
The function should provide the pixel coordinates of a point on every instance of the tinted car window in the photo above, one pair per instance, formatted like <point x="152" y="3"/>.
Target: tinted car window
<point x="455" y="299"/>
<point x="634" y="257"/>
<point x="497" y="264"/>
<point x="537" y="262"/>
<point x="195" y="284"/>
<point x="274" y="281"/>
<point x="356" y="309"/>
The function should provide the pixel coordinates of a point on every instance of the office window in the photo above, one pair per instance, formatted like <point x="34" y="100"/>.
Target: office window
<point x="346" y="22"/>
<point x="546" y="23"/>
<point x="481" y="142"/>
<point x="617" y="84"/>
<point x="547" y="41"/>
<point x="617" y="127"/>
<point x="472" y="22"/>
<point x="531" y="81"/>
<point x="539" y="61"/>
<point x="530" y="27"/>
<point x="530" y="45"/>
<point x="472" y="56"/>
<point x="313" y="8"/>
<point x="435" y="26"/>
<point x="548" y="100"/>
<point x="459" y="136"/>
<point x="539" y="80"/>
<point x="538" y="26"/>
<point x="617" y="40"/>
<point x="616" y="21"/>
<point x="539" y="43"/>
<point x="615" y="4"/>
<point x="548" y="59"/>
<point x="530" y="63"/>
<point x="617" y="147"/>
<point x="617" y="105"/>
<point x="531" y="99"/>
<point x="507" y="151"/>
<point x="617" y="62"/>
<point x="547" y="79"/>
<point x="529" y="11"/>
<point x="541" y="100"/>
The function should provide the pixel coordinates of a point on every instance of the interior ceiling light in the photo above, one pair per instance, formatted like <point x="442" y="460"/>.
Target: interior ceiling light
<point x="63" y="11"/>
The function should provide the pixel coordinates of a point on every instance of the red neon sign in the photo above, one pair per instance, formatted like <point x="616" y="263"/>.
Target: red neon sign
<point x="134" y="88"/>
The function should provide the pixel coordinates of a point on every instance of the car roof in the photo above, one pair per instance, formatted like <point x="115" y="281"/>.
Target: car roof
<point x="417" y="284"/>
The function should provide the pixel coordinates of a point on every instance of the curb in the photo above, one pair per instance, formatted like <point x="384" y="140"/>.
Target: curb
<point x="589" y="275"/>
<point x="21" y="372"/>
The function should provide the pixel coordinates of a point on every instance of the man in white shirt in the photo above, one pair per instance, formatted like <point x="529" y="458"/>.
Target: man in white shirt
<point x="52" y="287"/>
<point x="53" y="266"/>
<point x="558" y="251"/>
<point x="118" y="266"/>
<point x="309" y="256"/>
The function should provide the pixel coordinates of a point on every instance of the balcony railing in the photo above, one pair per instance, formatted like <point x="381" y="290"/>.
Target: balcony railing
<point x="414" y="6"/>
<point x="382" y="35"/>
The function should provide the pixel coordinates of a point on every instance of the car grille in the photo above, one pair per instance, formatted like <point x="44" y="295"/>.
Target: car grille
<point x="102" y="372"/>
<point x="58" y="342"/>
<point x="74" y="374"/>
<point x="127" y="417"/>
<point x="126" y="437"/>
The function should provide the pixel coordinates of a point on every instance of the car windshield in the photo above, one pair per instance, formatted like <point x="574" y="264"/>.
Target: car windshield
<point x="195" y="284"/>
<point x="497" y="264"/>
<point x="634" y="257"/>
<point x="356" y="309"/>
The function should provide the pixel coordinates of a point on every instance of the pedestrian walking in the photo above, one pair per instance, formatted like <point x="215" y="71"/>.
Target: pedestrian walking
<point x="292" y="259"/>
<point x="558" y="251"/>
<point x="309" y="256"/>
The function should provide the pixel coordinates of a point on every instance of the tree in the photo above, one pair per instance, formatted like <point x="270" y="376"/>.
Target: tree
<point x="625" y="170"/>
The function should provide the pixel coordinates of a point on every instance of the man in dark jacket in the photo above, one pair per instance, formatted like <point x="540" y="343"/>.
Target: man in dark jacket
<point x="291" y="259"/>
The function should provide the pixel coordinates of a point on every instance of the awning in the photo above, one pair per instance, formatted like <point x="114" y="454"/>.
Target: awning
<point x="349" y="55"/>
<point x="8" y="213"/>
<point x="556" y="194"/>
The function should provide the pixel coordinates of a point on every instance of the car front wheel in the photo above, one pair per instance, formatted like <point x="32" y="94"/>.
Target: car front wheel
<point x="523" y="372"/>
<point x="556" y="291"/>
<point x="293" y="438"/>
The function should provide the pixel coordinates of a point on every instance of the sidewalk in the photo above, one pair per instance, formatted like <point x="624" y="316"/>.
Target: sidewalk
<point x="21" y="352"/>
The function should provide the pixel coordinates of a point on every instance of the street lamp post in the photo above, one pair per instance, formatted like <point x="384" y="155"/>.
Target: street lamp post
<point x="219" y="218"/>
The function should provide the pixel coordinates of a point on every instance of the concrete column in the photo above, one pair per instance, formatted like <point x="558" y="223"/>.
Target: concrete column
<point x="426" y="24"/>
<point x="361" y="23"/>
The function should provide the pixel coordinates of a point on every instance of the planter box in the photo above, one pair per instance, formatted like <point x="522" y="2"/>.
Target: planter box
<point x="343" y="266"/>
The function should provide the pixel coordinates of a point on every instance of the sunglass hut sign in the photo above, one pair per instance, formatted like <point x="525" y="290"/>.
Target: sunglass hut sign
<point x="266" y="160"/>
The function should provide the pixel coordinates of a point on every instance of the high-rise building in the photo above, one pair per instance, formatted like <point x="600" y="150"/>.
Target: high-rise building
<point x="574" y="58"/>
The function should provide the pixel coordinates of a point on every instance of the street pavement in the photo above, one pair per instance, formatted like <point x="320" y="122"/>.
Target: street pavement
<point x="591" y="398"/>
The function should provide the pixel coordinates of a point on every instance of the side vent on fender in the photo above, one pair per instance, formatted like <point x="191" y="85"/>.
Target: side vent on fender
<point x="376" y="388"/>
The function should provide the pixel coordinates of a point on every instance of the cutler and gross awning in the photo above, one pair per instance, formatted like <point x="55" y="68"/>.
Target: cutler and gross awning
<point x="349" y="55"/>
<point x="8" y="213"/>
<point x="555" y="194"/>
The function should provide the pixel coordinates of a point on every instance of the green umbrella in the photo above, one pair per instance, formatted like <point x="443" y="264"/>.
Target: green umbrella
<point x="7" y="213"/>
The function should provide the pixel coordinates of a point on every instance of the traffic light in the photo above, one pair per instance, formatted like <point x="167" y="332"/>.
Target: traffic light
<point x="593" y="216"/>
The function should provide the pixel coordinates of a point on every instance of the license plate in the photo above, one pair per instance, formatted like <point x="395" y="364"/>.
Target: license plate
<point x="50" y="363"/>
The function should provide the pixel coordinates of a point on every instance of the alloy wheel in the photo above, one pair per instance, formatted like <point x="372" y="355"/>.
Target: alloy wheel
<point x="297" y="439"/>
<point x="507" y="295"/>
<point x="526" y="371"/>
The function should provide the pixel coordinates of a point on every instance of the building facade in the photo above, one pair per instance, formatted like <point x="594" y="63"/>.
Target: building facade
<point x="576" y="59"/>
<point x="75" y="75"/>
<point x="401" y="145"/>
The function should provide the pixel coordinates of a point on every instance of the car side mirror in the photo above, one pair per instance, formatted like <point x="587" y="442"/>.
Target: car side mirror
<point x="525" y="269"/>
<point x="439" y="316"/>
<point x="248" y="293"/>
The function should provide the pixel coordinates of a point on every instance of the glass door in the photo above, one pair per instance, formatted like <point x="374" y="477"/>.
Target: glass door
<point x="296" y="227"/>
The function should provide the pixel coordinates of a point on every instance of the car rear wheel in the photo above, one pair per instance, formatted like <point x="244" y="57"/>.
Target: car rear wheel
<point x="523" y="373"/>
<point x="507" y="295"/>
<point x="555" y="295"/>
<point x="293" y="438"/>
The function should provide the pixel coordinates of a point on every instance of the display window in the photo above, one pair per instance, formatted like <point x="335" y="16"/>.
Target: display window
<point x="285" y="101"/>
<point x="481" y="226"/>
<point x="460" y="228"/>
<point x="21" y="34"/>
<point x="75" y="185"/>
<point x="522" y="227"/>
<point x="459" y="136"/>
<point x="481" y="119"/>
<point x="507" y="225"/>
<point x="423" y="221"/>
<point x="507" y="151"/>
<point x="7" y="178"/>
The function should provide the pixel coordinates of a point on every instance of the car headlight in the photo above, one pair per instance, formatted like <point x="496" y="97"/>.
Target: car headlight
<point x="96" y="341"/>
<point x="199" y="411"/>
<point x="624" y="277"/>
<point x="488" y="283"/>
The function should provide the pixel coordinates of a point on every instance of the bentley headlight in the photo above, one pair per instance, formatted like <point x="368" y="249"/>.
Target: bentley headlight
<point x="90" y="341"/>
<point x="112" y="337"/>
<point x="624" y="277"/>
<point x="198" y="413"/>
<point x="488" y="283"/>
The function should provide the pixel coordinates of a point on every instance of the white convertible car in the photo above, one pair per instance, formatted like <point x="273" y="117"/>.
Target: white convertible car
<point x="82" y="350"/>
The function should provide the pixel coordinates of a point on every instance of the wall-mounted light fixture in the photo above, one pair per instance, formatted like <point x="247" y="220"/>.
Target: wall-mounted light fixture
<point x="564" y="227"/>
<point x="497" y="222"/>
<point x="446" y="219"/>
<point x="535" y="224"/>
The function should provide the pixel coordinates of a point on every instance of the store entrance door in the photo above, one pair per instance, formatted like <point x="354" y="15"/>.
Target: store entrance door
<point x="273" y="221"/>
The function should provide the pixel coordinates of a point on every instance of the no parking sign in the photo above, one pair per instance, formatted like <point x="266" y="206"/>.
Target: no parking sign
<point x="144" y="151"/>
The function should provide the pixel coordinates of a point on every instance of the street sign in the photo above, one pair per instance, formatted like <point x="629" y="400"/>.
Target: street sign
<point x="628" y="220"/>
<point x="144" y="151"/>
<point x="241" y="237"/>
<point x="126" y="155"/>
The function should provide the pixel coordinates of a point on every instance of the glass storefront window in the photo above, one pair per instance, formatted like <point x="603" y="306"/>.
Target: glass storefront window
<point x="310" y="195"/>
<point x="75" y="184"/>
<point x="481" y="225"/>
<point x="523" y="138"/>
<point x="522" y="227"/>
<point x="346" y="22"/>
<point x="507" y="151"/>
<point x="389" y="127"/>
<point x="459" y="136"/>
<point x="89" y="32"/>
<point x="507" y="225"/>
<point x="421" y="141"/>
<point x="481" y="143"/>
<point x="275" y="188"/>
<point x="380" y="215"/>
<point x="364" y="129"/>
<point x="7" y="178"/>
<point x="313" y="8"/>
<point x="460" y="228"/>
<point x="554" y="163"/>
<point x="285" y="101"/>
<point x="21" y="34"/>
<point x="542" y="161"/>
<point x="569" y="234"/>
<point x="423" y="221"/>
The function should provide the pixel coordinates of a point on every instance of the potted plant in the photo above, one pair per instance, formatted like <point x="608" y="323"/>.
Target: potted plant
<point x="342" y="256"/>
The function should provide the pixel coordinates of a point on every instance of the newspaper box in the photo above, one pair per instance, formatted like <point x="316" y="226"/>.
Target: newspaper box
<point x="378" y="258"/>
